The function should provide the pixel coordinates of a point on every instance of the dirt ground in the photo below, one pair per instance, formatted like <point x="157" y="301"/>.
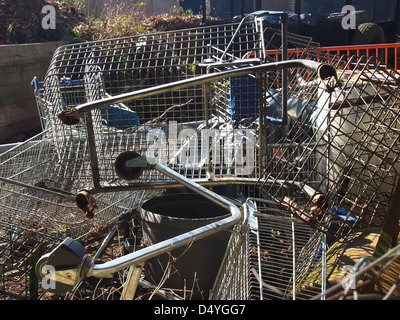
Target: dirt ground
<point x="21" y="21"/>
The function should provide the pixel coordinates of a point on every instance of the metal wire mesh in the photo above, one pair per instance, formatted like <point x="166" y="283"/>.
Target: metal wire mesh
<point x="36" y="195"/>
<point x="48" y="170"/>
<point x="328" y="171"/>
<point x="341" y="150"/>
<point x="39" y="178"/>
<point x="85" y="72"/>
<point x="38" y="209"/>
<point x="17" y="254"/>
<point x="268" y="256"/>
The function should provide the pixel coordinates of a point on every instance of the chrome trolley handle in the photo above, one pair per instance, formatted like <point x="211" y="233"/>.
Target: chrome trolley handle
<point x="68" y="264"/>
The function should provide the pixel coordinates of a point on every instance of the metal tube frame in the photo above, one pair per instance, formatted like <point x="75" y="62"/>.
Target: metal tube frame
<point x="324" y="71"/>
<point x="135" y="260"/>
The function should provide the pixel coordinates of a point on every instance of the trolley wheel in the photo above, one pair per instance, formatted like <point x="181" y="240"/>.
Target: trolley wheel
<point x="368" y="33"/>
<point x="124" y="171"/>
<point x="42" y="262"/>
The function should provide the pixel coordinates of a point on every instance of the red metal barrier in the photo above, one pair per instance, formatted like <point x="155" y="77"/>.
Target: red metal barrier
<point x="387" y="53"/>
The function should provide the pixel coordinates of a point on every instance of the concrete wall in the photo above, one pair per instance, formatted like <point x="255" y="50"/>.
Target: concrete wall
<point x="18" y="65"/>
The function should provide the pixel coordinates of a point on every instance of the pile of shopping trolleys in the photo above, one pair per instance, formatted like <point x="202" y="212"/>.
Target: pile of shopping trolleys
<point x="251" y="172"/>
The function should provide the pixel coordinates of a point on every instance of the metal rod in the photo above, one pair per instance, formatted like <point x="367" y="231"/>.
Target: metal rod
<point x="259" y="259"/>
<point x="204" y="10"/>
<point x="160" y="184"/>
<point x="358" y="273"/>
<point x="96" y="256"/>
<point x="323" y="258"/>
<point x="94" y="162"/>
<point x="140" y="256"/>
<point x="235" y="34"/>
<point x="205" y="182"/>
<point x="294" y="258"/>
<point x="132" y="281"/>
<point x="63" y="194"/>
<point x="157" y="291"/>
<point x="106" y="242"/>
<point x="284" y="21"/>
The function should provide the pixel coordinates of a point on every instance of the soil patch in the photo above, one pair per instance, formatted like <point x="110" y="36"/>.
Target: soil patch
<point x="21" y="21"/>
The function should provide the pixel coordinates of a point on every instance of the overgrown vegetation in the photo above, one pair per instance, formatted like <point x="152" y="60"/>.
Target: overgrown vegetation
<point x="79" y="4"/>
<point x="128" y="20"/>
<point x="20" y="21"/>
<point x="120" y="21"/>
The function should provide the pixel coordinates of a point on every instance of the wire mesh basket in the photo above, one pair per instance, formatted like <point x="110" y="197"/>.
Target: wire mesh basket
<point x="38" y="195"/>
<point x="341" y="150"/>
<point x="268" y="256"/>
<point x="38" y="210"/>
<point x="173" y="125"/>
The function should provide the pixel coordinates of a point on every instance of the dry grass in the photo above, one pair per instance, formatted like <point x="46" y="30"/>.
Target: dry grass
<point x="128" y="20"/>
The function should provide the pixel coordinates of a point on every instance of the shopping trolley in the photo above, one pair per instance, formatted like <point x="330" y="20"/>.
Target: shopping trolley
<point x="38" y="210"/>
<point x="130" y="164"/>
<point x="204" y="108"/>
<point x="197" y="97"/>
<point x="349" y="134"/>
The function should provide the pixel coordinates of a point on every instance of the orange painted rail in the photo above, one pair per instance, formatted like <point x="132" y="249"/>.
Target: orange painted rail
<point x="387" y="53"/>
